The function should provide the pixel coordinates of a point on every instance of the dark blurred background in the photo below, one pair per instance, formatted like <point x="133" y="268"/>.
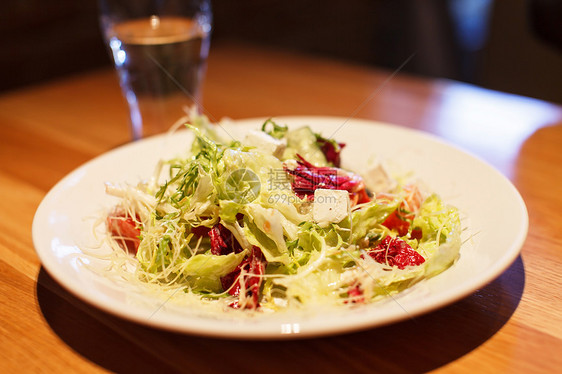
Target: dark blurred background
<point x="513" y="46"/>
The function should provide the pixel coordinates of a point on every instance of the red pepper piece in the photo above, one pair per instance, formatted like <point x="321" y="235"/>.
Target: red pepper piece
<point x="402" y="217"/>
<point x="396" y="252"/>
<point x="395" y="222"/>
<point x="416" y="233"/>
<point x="125" y="231"/>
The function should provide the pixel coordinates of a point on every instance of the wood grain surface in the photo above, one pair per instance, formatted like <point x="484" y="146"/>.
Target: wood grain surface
<point x="512" y="325"/>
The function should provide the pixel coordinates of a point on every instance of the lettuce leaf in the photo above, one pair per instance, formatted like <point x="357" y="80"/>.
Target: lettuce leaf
<point x="205" y="270"/>
<point x="370" y="216"/>
<point x="441" y="228"/>
<point x="302" y="141"/>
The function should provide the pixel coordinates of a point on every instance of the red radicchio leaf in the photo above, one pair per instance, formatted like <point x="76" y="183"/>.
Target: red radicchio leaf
<point x="306" y="178"/>
<point x="250" y="281"/>
<point x="223" y="243"/>
<point x="396" y="252"/>
<point x="331" y="149"/>
<point x="355" y="294"/>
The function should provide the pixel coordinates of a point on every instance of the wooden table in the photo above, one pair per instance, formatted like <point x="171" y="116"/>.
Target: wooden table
<point x="512" y="325"/>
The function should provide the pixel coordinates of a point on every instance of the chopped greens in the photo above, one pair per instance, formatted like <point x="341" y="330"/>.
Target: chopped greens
<point x="275" y="223"/>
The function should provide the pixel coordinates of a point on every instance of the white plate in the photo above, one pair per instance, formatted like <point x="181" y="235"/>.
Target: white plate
<point x="494" y="216"/>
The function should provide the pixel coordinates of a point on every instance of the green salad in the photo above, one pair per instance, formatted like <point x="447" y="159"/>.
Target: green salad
<point x="273" y="221"/>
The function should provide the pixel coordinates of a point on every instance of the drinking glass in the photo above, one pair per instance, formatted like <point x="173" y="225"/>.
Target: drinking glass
<point x="159" y="48"/>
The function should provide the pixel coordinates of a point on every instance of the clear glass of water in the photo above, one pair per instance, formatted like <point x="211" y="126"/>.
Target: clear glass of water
<point x="159" y="48"/>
